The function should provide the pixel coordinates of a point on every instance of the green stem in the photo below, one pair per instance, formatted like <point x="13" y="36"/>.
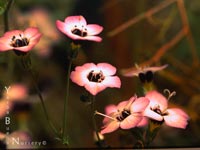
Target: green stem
<point x="65" y="139"/>
<point x="6" y="24"/>
<point x="27" y="67"/>
<point x="42" y="102"/>
<point x="6" y="28"/>
<point x="151" y="132"/>
<point x="93" y="118"/>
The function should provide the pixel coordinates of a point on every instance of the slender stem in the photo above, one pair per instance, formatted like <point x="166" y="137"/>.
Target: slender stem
<point x="93" y="118"/>
<point x="151" y="132"/>
<point x="6" y="28"/>
<point x="42" y="102"/>
<point x="65" y="105"/>
<point x="6" y="24"/>
<point x="26" y="66"/>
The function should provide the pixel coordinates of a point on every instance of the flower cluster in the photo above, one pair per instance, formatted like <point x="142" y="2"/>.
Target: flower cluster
<point x="136" y="111"/>
<point x="95" y="78"/>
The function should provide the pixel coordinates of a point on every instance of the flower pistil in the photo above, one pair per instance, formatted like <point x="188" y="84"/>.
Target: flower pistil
<point x="19" y="42"/>
<point x="79" y="32"/>
<point x="123" y="114"/>
<point x="96" y="76"/>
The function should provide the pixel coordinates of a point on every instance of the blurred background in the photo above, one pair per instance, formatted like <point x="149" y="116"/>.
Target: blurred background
<point x="145" y="32"/>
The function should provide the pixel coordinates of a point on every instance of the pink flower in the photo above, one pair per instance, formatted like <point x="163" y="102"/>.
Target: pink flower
<point x="126" y="115"/>
<point x="77" y="28"/>
<point x="158" y="110"/>
<point x="5" y="105"/>
<point x="14" y="93"/>
<point x="145" y="74"/>
<point x="19" y="40"/>
<point x="138" y="70"/>
<point x="95" y="78"/>
<point x="18" y="140"/>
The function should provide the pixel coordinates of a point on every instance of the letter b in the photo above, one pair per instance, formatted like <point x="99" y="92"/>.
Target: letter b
<point x="7" y="120"/>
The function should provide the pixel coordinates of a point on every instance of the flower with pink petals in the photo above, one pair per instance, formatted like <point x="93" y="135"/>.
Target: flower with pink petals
<point x="17" y="140"/>
<point x="77" y="28"/>
<point x="18" y="40"/>
<point x="5" y="105"/>
<point x="95" y="78"/>
<point x="144" y="73"/>
<point x="127" y="114"/>
<point x="14" y="93"/>
<point x="158" y="110"/>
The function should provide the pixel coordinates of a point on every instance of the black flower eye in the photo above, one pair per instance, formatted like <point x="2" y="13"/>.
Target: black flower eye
<point x="142" y="77"/>
<point x="146" y="77"/>
<point x="149" y="76"/>
<point x="95" y="77"/>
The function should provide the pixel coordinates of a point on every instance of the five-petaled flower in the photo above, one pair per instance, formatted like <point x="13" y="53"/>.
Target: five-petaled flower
<point x="127" y="114"/>
<point x="158" y="110"/>
<point x="19" y="40"/>
<point x="95" y="78"/>
<point x="144" y="73"/>
<point x="77" y="28"/>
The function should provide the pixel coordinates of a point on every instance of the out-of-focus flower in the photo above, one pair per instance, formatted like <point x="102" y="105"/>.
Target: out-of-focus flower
<point x="77" y="28"/>
<point x="42" y="19"/>
<point x="144" y="73"/>
<point x="19" y="40"/>
<point x="15" y="92"/>
<point x="5" y="106"/>
<point x="17" y="140"/>
<point x="12" y="94"/>
<point x="127" y="114"/>
<point x="2" y="136"/>
<point x="95" y="78"/>
<point x="158" y="110"/>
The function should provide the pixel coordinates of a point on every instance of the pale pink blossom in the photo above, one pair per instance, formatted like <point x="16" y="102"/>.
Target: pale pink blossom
<point x="144" y="73"/>
<point x="135" y="71"/>
<point x="77" y="28"/>
<point x="19" y="40"/>
<point x="95" y="78"/>
<point x="11" y="94"/>
<point x="2" y="136"/>
<point x="158" y="110"/>
<point x="17" y="140"/>
<point x="5" y="107"/>
<point x="15" y="92"/>
<point x="127" y="114"/>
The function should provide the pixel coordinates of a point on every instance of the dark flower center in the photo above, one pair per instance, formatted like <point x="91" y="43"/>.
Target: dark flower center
<point x="123" y="115"/>
<point x="79" y="32"/>
<point x="19" y="42"/>
<point x="146" y="77"/>
<point x="96" y="77"/>
<point x="158" y="111"/>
